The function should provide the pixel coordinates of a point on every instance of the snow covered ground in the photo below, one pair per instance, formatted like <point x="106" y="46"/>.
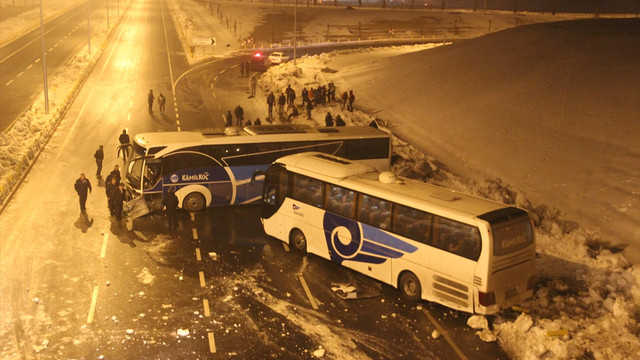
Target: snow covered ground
<point x="572" y="159"/>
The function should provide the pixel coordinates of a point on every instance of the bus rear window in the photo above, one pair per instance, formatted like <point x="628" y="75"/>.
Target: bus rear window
<point x="511" y="237"/>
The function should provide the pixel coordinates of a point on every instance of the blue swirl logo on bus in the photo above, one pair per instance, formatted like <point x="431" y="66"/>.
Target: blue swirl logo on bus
<point x="349" y="240"/>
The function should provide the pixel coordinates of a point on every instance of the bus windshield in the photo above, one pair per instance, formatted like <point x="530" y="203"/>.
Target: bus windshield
<point x="134" y="172"/>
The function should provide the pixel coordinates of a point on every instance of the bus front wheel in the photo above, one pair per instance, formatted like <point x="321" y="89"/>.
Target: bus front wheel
<point x="298" y="241"/>
<point x="409" y="286"/>
<point x="193" y="202"/>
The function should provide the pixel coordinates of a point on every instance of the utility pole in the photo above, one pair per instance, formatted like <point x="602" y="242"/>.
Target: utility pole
<point x="295" y="30"/>
<point x="44" y="65"/>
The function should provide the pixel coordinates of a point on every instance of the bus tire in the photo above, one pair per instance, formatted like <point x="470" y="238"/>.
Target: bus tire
<point x="193" y="202"/>
<point x="409" y="286"/>
<point x="298" y="241"/>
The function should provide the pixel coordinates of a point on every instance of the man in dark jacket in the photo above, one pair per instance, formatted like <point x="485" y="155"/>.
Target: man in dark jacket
<point x="111" y="188"/>
<point x="117" y="198"/>
<point x="115" y="173"/>
<point x="83" y="188"/>
<point x="281" y="101"/>
<point x="271" y="99"/>
<point x="125" y="142"/>
<point x="99" y="156"/>
<point x="239" y="112"/>
<point x="170" y="204"/>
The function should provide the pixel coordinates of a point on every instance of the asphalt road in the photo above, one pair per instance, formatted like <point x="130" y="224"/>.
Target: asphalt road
<point x="83" y="286"/>
<point x="21" y="71"/>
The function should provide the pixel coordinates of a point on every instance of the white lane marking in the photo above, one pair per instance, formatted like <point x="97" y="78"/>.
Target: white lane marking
<point x="131" y="104"/>
<point x="20" y="74"/>
<point x="37" y="60"/>
<point x="201" y="276"/>
<point x="30" y="66"/>
<point x="103" y="252"/>
<point x="195" y="233"/>
<point x="212" y="343"/>
<point x="129" y="117"/>
<point x="445" y="334"/>
<point x="92" y="307"/>
<point x="9" y="82"/>
<point x="222" y="71"/>
<point x="205" y="305"/>
<point x="312" y="300"/>
<point x="198" y="256"/>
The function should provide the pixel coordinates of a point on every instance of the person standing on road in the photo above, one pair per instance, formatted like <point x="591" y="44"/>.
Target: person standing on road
<point x="271" y="99"/>
<point x="161" y="102"/>
<point x="239" y="112"/>
<point x="242" y="65"/>
<point x="117" y="198"/>
<point x="253" y="82"/>
<point x="99" y="156"/>
<point x="111" y="187"/>
<point x="115" y="173"/>
<point x="281" y="101"/>
<point x="228" y="118"/>
<point x="170" y="204"/>
<point x="309" y="108"/>
<point x="150" y="98"/>
<point x="125" y="142"/>
<point x="83" y="188"/>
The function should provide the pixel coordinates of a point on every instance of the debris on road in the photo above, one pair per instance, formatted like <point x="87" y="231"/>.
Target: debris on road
<point x="435" y="334"/>
<point x="486" y="335"/>
<point x="319" y="353"/>
<point x="478" y="322"/>
<point x="354" y="291"/>
<point x="183" y="332"/>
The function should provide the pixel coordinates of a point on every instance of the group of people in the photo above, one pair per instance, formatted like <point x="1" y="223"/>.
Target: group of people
<point x="329" y="120"/>
<point x="161" y="102"/>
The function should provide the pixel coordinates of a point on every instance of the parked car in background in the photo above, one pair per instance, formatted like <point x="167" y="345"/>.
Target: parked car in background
<point x="277" y="58"/>
<point x="259" y="62"/>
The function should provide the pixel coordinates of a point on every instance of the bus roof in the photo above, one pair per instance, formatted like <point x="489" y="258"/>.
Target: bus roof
<point x="401" y="190"/>
<point x="249" y="134"/>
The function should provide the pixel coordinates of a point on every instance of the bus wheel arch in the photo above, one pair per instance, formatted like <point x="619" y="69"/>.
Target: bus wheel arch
<point x="194" y="197"/>
<point x="298" y="241"/>
<point x="409" y="286"/>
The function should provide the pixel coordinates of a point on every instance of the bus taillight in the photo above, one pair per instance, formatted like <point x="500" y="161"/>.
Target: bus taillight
<point x="487" y="299"/>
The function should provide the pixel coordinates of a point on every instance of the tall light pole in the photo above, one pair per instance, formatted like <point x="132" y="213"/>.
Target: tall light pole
<point x="44" y="64"/>
<point x="295" y="30"/>
<point x="107" y="15"/>
<point x="88" y="29"/>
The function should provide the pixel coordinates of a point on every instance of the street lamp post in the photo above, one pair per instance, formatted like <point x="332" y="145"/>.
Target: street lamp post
<point x="88" y="29"/>
<point x="295" y="30"/>
<point x="107" y="15"/>
<point x="44" y="65"/>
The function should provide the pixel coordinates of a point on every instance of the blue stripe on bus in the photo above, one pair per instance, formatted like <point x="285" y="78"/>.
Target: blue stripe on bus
<point x="371" y="247"/>
<point x="246" y="172"/>
<point x="384" y="238"/>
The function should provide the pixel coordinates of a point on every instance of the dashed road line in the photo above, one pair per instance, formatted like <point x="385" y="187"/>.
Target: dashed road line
<point x="205" y="305"/>
<point x="198" y="256"/>
<point x="92" y="307"/>
<point x="103" y="252"/>
<point x="9" y="82"/>
<point x="30" y="66"/>
<point x="20" y="74"/>
<point x="37" y="60"/>
<point x="129" y="117"/>
<point x="193" y="216"/>
<point x="212" y="343"/>
<point x="312" y="300"/>
<point x="201" y="276"/>
<point x="445" y="334"/>
<point x="195" y="233"/>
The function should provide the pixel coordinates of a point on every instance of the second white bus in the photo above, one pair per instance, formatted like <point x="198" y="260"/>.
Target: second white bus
<point x="467" y="253"/>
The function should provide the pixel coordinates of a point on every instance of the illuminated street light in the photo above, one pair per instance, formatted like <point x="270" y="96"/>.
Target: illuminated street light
<point x="295" y="30"/>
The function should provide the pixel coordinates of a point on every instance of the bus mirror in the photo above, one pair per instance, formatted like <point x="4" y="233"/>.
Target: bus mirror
<point x="256" y="174"/>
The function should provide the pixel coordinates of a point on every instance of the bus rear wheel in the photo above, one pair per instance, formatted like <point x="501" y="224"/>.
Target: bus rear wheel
<point x="298" y="241"/>
<point x="409" y="286"/>
<point x="193" y="202"/>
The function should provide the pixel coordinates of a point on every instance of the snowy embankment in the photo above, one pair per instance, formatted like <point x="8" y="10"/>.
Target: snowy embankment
<point x="587" y="300"/>
<point x="21" y="143"/>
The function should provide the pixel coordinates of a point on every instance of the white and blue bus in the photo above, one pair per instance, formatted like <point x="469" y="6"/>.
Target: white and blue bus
<point x="431" y="243"/>
<point x="214" y="169"/>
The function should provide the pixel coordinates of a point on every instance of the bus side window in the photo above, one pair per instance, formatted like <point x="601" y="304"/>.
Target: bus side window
<point x="458" y="238"/>
<point x="340" y="201"/>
